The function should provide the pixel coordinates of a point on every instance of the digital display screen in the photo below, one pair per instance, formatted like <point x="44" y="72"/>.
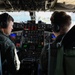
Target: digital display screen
<point x="13" y="35"/>
<point x="53" y="36"/>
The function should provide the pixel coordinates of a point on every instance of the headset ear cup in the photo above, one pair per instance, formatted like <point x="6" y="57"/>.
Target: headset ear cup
<point x="3" y="25"/>
<point x="56" y="28"/>
<point x="4" y="20"/>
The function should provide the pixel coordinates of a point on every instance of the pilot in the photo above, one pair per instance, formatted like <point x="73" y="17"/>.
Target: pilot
<point x="61" y="23"/>
<point x="10" y="60"/>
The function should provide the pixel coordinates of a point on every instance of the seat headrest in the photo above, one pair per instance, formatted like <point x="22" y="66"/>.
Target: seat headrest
<point x="69" y="39"/>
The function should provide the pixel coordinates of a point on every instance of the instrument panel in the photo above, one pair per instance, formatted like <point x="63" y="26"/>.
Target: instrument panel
<point x="29" y="41"/>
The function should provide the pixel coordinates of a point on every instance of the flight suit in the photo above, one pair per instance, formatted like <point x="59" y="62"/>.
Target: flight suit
<point x="10" y="60"/>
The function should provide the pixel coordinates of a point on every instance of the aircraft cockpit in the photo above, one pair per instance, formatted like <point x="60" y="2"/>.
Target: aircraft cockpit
<point x="32" y="29"/>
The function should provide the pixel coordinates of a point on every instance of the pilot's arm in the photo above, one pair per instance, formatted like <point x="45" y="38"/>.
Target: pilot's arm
<point x="12" y="60"/>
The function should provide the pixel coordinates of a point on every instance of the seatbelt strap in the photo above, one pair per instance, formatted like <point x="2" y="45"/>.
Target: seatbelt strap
<point x="0" y="62"/>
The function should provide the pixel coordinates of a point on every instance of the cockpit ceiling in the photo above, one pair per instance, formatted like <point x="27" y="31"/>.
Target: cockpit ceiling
<point x="68" y="5"/>
<point x="22" y="4"/>
<point x="36" y="5"/>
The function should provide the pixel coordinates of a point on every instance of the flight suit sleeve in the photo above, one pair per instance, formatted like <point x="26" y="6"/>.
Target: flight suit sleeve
<point x="44" y="59"/>
<point x="12" y="59"/>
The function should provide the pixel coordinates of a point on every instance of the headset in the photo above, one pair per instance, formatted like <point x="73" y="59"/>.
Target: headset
<point x="55" y="27"/>
<point x="4" y="20"/>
